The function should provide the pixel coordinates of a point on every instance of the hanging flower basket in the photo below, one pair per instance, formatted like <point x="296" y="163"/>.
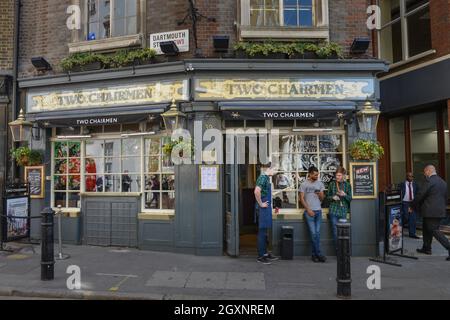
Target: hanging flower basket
<point x="24" y="156"/>
<point x="366" y="150"/>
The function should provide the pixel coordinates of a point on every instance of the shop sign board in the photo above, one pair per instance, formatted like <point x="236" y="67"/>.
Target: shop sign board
<point x="16" y="222"/>
<point x="35" y="178"/>
<point x="69" y="98"/>
<point x="395" y="228"/>
<point x="285" y="89"/>
<point x="363" y="178"/>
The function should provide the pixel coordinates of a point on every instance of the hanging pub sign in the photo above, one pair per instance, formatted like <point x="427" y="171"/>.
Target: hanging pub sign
<point x="363" y="178"/>
<point x="284" y="89"/>
<point x="35" y="178"/>
<point x="135" y="94"/>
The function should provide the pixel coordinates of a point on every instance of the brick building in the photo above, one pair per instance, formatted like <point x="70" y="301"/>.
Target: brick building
<point x="104" y="137"/>
<point x="7" y="77"/>
<point x="415" y="39"/>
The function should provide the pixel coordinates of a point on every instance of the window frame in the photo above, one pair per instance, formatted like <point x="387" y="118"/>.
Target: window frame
<point x="403" y="18"/>
<point x="319" y="29"/>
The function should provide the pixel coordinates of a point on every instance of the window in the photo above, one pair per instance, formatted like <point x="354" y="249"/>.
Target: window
<point x="113" y="165"/>
<point x="397" y="149"/>
<point x="424" y="143"/>
<point x="297" y="154"/>
<point x="159" y="175"/>
<point x="111" y="18"/>
<point x="66" y="173"/>
<point x="405" y="30"/>
<point x="271" y="13"/>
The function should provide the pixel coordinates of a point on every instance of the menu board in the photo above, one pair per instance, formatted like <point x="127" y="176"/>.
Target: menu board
<point x="16" y="223"/>
<point x="35" y="178"/>
<point x="209" y="178"/>
<point x="395" y="228"/>
<point x="364" y="180"/>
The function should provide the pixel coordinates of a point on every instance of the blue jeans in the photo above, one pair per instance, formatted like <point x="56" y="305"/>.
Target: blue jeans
<point x="262" y="241"/>
<point x="334" y="220"/>
<point x="409" y="218"/>
<point x="314" y="230"/>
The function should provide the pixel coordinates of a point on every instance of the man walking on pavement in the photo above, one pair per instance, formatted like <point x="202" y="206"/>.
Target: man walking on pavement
<point x="432" y="201"/>
<point x="263" y="195"/>
<point x="409" y="191"/>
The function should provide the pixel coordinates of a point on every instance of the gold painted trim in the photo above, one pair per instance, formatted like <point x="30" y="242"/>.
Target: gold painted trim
<point x="156" y="216"/>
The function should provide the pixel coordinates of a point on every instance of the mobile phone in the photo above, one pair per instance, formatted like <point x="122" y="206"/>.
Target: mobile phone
<point x="316" y="191"/>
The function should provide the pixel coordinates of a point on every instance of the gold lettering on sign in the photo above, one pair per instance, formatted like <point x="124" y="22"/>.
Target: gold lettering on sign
<point x="222" y="89"/>
<point x="105" y="97"/>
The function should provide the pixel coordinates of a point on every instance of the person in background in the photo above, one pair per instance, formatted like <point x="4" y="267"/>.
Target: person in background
<point x="339" y="195"/>
<point x="263" y="196"/>
<point x="311" y="196"/>
<point x="409" y="189"/>
<point x="432" y="201"/>
<point x="126" y="182"/>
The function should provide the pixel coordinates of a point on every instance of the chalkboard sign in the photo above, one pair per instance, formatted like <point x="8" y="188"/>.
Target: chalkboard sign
<point x="363" y="179"/>
<point x="35" y="177"/>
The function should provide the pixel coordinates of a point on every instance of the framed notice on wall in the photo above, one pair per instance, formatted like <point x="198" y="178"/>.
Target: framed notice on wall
<point x="209" y="178"/>
<point x="363" y="177"/>
<point x="35" y="177"/>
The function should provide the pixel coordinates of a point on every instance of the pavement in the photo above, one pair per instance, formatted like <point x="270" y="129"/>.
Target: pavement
<point x="120" y="273"/>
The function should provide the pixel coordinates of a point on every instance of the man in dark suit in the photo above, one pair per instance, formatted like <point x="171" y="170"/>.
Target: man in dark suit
<point x="432" y="200"/>
<point x="409" y="189"/>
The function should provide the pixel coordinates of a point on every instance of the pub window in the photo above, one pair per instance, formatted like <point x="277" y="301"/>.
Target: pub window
<point x="298" y="152"/>
<point x="111" y="18"/>
<point x="159" y="176"/>
<point x="405" y="29"/>
<point x="113" y="165"/>
<point x="67" y="174"/>
<point x="289" y="13"/>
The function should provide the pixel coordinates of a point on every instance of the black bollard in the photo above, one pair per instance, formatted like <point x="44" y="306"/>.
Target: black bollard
<point x="344" y="280"/>
<point x="47" y="254"/>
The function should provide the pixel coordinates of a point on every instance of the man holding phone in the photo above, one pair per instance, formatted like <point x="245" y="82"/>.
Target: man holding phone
<point x="311" y="196"/>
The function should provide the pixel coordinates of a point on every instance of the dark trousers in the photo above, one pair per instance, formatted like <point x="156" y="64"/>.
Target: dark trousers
<point x="430" y="230"/>
<point x="409" y="218"/>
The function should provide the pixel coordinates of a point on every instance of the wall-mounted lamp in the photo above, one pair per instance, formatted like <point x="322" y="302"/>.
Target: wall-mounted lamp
<point x="36" y="132"/>
<point x="173" y="118"/>
<point x="360" y="45"/>
<point x="169" y="48"/>
<point x="41" y="64"/>
<point x="221" y="43"/>
<point x="20" y="128"/>
<point x="368" y="118"/>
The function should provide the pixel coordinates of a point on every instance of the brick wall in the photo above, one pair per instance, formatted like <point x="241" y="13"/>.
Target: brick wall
<point x="6" y="34"/>
<point x="348" y="21"/>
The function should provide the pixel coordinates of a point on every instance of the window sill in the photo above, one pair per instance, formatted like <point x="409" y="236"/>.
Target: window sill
<point x="111" y="194"/>
<point x="248" y="32"/>
<point x="73" y="212"/>
<point x="411" y="59"/>
<point x="106" y="44"/>
<point x="293" y="214"/>
<point x="157" y="215"/>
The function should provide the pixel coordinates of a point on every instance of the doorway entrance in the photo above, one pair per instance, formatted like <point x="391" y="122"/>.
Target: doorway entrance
<point x="240" y="223"/>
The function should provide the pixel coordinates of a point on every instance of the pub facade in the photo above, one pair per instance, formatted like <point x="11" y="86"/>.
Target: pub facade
<point x="108" y="169"/>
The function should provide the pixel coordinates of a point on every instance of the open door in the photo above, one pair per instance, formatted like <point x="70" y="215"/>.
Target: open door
<point x="231" y="222"/>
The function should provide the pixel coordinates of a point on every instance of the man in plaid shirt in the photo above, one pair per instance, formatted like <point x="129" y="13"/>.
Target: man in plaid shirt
<point x="339" y="195"/>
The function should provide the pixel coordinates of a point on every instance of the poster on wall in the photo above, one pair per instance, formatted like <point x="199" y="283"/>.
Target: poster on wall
<point x="209" y="178"/>
<point x="16" y="222"/>
<point x="363" y="178"/>
<point x="35" y="177"/>
<point x="395" y="228"/>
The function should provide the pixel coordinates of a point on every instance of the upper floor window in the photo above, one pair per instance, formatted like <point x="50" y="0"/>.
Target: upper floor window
<point x="111" y="18"/>
<point x="406" y="29"/>
<point x="271" y="13"/>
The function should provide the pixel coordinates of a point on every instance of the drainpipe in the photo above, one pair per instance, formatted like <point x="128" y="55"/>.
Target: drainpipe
<point x="14" y="98"/>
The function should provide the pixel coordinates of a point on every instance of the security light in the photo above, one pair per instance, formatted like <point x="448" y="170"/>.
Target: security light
<point x="360" y="45"/>
<point x="41" y="64"/>
<point x="169" y="48"/>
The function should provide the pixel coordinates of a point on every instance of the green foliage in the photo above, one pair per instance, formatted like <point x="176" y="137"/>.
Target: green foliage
<point x="323" y="50"/>
<point x="182" y="144"/>
<point x="24" y="156"/>
<point x="362" y="149"/>
<point x="121" y="58"/>
<point x="82" y="59"/>
<point x="329" y="49"/>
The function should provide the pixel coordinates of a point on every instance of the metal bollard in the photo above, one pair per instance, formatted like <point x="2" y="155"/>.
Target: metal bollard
<point x="60" y="255"/>
<point x="344" y="280"/>
<point x="47" y="252"/>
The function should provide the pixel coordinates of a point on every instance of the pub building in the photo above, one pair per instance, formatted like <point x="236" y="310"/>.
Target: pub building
<point x="106" y="162"/>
